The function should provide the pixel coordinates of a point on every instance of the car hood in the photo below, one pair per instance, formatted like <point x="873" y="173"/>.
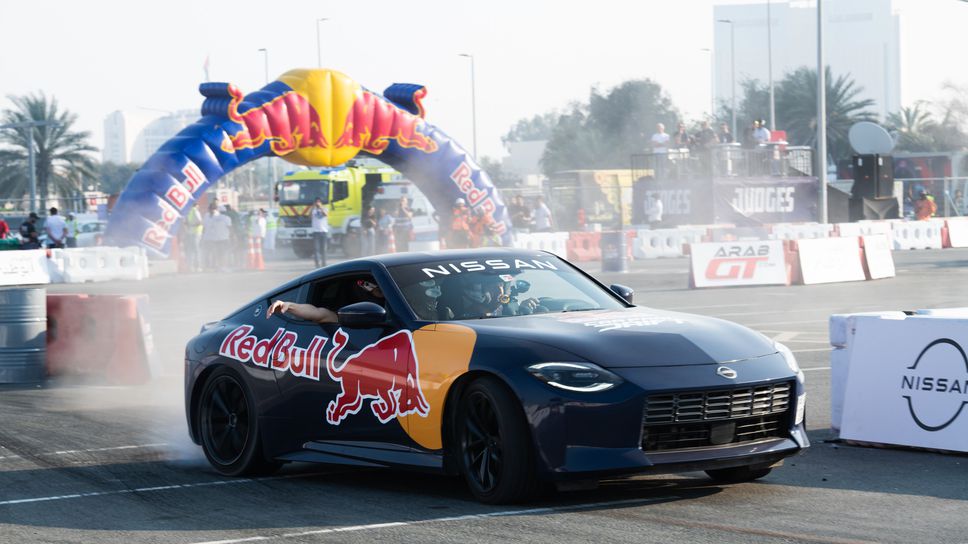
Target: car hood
<point x="634" y="337"/>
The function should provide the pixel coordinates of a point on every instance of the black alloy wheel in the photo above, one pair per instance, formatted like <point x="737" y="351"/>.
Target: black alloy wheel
<point x="228" y="426"/>
<point x="495" y="454"/>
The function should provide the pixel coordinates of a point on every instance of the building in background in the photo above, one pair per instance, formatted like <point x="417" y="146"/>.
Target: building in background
<point x="524" y="161"/>
<point x="861" y="39"/>
<point x="135" y="136"/>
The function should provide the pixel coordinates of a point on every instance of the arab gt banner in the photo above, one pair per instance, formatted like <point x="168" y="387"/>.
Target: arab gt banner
<point x="729" y="264"/>
<point x="907" y="383"/>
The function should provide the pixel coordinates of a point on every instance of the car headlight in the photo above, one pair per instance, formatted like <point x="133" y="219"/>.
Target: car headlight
<point x="791" y="361"/>
<point x="581" y="377"/>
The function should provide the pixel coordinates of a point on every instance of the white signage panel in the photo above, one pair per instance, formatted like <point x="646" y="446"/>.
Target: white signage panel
<point x="877" y="253"/>
<point x="907" y="383"/>
<point x="24" y="267"/>
<point x="829" y="260"/>
<point x="727" y="264"/>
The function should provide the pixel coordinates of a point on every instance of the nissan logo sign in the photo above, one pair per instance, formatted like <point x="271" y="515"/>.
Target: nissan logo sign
<point x="726" y="372"/>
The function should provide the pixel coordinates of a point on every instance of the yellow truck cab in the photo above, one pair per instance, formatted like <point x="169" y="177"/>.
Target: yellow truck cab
<point x="345" y="191"/>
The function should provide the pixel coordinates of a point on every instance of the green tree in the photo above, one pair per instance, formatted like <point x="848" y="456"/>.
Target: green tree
<point x="500" y="177"/>
<point x="113" y="177"/>
<point x="949" y="133"/>
<point x="538" y="127"/>
<point x="914" y="126"/>
<point x="610" y="128"/>
<point x="62" y="156"/>
<point x="754" y="103"/>
<point x="796" y="109"/>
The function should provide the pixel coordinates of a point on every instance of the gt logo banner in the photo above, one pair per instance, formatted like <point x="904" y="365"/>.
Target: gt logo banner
<point x="726" y="264"/>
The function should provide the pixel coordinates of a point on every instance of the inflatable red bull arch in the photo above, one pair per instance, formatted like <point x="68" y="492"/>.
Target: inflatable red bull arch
<point x="319" y="118"/>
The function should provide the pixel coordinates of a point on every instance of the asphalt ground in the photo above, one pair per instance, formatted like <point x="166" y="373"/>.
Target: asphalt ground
<point x="81" y="461"/>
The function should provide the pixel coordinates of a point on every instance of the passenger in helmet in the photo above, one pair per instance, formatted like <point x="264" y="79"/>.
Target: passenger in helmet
<point x="488" y="295"/>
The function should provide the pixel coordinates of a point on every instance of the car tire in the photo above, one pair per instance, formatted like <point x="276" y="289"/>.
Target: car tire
<point x="493" y="444"/>
<point x="229" y="428"/>
<point x="738" y="475"/>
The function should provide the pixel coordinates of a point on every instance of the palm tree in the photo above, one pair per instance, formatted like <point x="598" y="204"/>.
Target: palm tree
<point x="914" y="126"/>
<point x="796" y="109"/>
<point x="62" y="156"/>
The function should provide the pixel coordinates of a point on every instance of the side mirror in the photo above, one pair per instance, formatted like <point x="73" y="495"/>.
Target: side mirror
<point x="362" y="315"/>
<point x="622" y="291"/>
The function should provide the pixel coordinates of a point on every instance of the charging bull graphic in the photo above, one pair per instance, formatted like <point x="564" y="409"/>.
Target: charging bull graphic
<point x="385" y="371"/>
<point x="309" y="117"/>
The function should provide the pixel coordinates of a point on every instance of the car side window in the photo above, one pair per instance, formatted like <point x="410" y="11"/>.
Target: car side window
<point x="336" y="293"/>
<point x="296" y="294"/>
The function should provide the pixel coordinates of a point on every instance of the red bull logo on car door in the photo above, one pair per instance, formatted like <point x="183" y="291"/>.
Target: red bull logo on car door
<point x="385" y="372"/>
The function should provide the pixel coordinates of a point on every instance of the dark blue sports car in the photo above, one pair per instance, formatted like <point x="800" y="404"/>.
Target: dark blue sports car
<point x="510" y="367"/>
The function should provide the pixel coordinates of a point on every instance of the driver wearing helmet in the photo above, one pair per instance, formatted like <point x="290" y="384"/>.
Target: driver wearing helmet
<point x="422" y="297"/>
<point x="490" y="295"/>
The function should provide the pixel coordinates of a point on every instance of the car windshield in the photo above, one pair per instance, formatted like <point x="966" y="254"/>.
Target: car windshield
<point x="503" y="286"/>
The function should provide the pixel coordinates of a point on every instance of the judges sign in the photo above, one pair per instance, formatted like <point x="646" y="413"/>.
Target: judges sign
<point x="726" y="264"/>
<point x="907" y="383"/>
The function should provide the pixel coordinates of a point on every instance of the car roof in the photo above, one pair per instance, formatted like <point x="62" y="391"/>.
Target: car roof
<point x="416" y="257"/>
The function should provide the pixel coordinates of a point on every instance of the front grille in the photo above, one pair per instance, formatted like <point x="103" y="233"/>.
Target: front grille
<point x="695" y="419"/>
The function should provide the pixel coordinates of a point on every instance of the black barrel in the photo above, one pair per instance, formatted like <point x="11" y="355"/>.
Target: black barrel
<point x="614" y="252"/>
<point x="23" y="334"/>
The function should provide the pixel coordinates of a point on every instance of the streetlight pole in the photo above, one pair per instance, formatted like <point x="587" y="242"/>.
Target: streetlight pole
<point x="769" y="64"/>
<point x="272" y="163"/>
<point x="31" y="154"/>
<point x="265" y="53"/>
<point x="821" y="116"/>
<point x="319" y="43"/>
<point x="712" y="84"/>
<point x="732" y="68"/>
<point x="473" y="103"/>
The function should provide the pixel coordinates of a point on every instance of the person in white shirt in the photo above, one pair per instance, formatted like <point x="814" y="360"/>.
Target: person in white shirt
<point x="257" y="226"/>
<point x="543" y="221"/>
<point x="660" y="140"/>
<point x="320" y="218"/>
<point x="56" y="229"/>
<point x="761" y="134"/>
<point x="217" y="230"/>
<point x="653" y="210"/>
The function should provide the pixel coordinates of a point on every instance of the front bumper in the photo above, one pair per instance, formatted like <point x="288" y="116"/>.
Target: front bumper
<point x="578" y="437"/>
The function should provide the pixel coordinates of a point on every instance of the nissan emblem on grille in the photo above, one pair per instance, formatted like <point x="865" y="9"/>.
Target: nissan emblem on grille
<point x="726" y="372"/>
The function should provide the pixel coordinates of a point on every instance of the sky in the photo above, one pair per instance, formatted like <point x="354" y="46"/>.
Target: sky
<point x="530" y="57"/>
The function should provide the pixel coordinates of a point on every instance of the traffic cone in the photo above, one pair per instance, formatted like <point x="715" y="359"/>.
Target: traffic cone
<point x="258" y="263"/>
<point x="250" y="260"/>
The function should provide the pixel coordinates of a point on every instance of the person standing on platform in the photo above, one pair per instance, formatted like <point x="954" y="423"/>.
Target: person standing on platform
<point x="543" y="222"/>
<point x="320" y="226"/>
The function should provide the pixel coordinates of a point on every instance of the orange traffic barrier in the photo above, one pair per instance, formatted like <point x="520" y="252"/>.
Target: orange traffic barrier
<point x="584" y="246"/>
<point x="100" y="335"/>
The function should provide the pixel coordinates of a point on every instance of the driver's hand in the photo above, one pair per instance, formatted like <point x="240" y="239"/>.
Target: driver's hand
<point x="279" y="307"/>
<point x="528" y="306"/>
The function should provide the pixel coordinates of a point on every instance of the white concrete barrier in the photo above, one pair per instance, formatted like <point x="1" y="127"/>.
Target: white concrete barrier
<point x="92" y="264"/>
<point x="906" y="381"/>
<point x="917" y="234"/>
<point x="555" y="242"/>
<point x="864" y="228"/>
<point x="878" y="259"/>
<point x="656" y="243"/>
<point x="799" y="231"/>
<point x="842" y="328"/>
